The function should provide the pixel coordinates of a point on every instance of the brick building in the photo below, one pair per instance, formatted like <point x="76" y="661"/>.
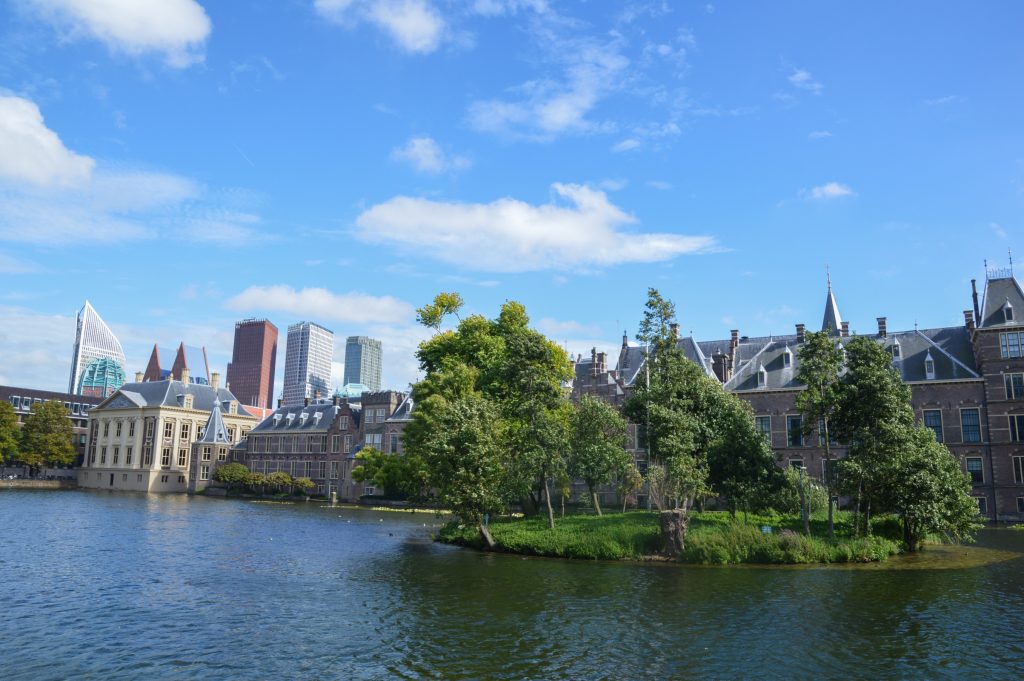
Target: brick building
<point x="967" y="384"/>
<point x="250" y="373"/>
<point x="77" y="406"/>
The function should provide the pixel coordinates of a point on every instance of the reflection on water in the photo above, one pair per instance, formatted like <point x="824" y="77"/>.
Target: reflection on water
<point x="104" y="586"/>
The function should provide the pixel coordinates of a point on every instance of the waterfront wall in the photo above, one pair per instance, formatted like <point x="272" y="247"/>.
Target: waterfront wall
<point x="37" y="484"/>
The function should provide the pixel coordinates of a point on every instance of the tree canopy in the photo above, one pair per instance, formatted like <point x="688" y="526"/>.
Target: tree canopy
<point x="47" y="437"/>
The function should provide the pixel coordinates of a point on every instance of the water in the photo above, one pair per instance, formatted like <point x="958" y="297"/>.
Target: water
<point x="104" y="586"/>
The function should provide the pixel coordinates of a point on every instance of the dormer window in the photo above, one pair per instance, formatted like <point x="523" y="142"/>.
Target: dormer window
<point x="277" y="419"/>
<point x="762" y="377"/>
<point x="1008" y="311"/>
<point x="188" y="402"/>
<point x="787" y="358"/>
<point x="895" y="351"/>
<point x="929" y="366"/>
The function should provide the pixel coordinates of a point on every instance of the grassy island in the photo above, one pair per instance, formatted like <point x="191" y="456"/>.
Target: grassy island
<point x="714" y="538"/>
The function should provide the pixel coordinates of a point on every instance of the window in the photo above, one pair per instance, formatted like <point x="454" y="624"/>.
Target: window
<point x="374" y="440"/>
<point x="323" y="443"/>
<point x="15" y="401"/>
<point x="106" y="428"/>
<point x="1016" y="427"/>
<point x="168" y="430"/>
<point x="231" y="433"/>
<point x="1008" y="311"/>
<point x="1018" y="470"/>
<point x="794" y="431"/>
<point x="787" y="358"/>
<point x="131" y="429"/>
<point x="975" y="469"/>
<point x="1014" y="384"/>
<point x="970" y="425"/>
<point x="163" y="478"/>
<point x="929" y="367"/>
<point x="1009" y="345"/>
<point x="982" y="505"/>
<point x="1020" y="504"/>
<point x="334" y="470"/>
<point x="117" y="455"/>
<point x="821" y="435"/>
<point x="308" y="469"/>
<point x="764" y="426"/>
<point x="393" y="447"/>
<point x="150" y="424"/>
<point x="76" y="408"/>
<point x="797" y="464"/>
<point x="26" y="403"/>
<point x="311" y="443"/>
<point x="181" y="478"/>
<point x="368" y="491"/>
<point x="829" y="472"/>
<point x="139" y="477"/>
<point x="165" y="457"/>
<point x="348" y="443"/>
<point x="933" y="420"/>
<point x="323" y="469"/>
<point x="207" y="451"/>
<point x="335" y="443"/>
<point x="343" y="425"/>
<point x="103" y="454"/>
<point x="124" y="477"/>
<point x="128" y="456"/>
<point x="182" y="458"/>
<point x="204" y="472"/>
<point x="222" y="454"/>
<point x="186" y="430"/>
<point x="117" y="430"/>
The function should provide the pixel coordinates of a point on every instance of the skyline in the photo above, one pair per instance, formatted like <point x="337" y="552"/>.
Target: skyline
<point x="326" y="161"/>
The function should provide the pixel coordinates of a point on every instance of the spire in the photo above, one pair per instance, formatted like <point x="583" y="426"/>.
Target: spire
<point x="832" y="320"/>
<point x="215" y="432"/>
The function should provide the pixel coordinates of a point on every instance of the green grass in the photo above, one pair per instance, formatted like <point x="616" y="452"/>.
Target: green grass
<point x="713" y="538"/>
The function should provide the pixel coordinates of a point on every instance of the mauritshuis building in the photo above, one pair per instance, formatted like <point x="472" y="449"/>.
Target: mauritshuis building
<point x="967" y="385"/>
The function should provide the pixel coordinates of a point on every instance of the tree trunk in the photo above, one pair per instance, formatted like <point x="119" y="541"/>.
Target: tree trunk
<point x="867" y="520"/>
<point x="485" y="534"/>
<point x="907" y="539"/>
<point x="597" y="504"/>
<point x="831" y="521"/>
<point x="562" y="498"/>
<point x="547" y="499"/>
<point x="856" y="515"/>
<point x="625" y="498"/>
<point x="804" y="510"/>
<point x="828" y="480"/>
<point x="674" y="525"/>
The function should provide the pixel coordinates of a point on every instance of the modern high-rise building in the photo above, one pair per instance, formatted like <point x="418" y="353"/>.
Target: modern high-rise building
<point x="363" y="361"/>
<point x="307" y="362"/>
<point x="253" y="362"/>
<point x="94" y="341"/>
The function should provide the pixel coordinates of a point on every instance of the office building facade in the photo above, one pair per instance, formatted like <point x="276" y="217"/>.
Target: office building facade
<point x="363" y="362"/>
<point x="250" y="373"/>
<point x="94" y="342"/>
<point x="307" y="364"/>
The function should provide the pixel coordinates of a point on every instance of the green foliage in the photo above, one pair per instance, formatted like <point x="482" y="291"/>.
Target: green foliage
<point x="597" y="444"/>
<point x="279" y="480"/>
<point x="304" y="484"/>
<point x="9" y="432"/>
<point x="400" y="476"/>
<point x="232" y="474"/>
<point x="432" y="315"/>
<point x="741" y="467"/>
<point x="735" y="543"/>
<point x="787" y="498"/>
<point x="47" y="437"/>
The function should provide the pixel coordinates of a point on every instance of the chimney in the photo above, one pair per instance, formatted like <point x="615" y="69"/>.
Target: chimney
<point x="882" y="331"/>
<point x="215" y="380"/>
<point x="800" y="328"/>
<point x="138" y="376"/>
<point x="317" y="395"/>
<point x="974" y="295"/>
<point x="720" y="365"/>
<point x="184" y="375"/>
<point x="602" y="362"/>
<point x="305" y="401"/>
<point x="593" y="361"/>
<point x="846" y="329"/>
<point x="280" y="402"/>
<point x="969" y="320"/>
<point x="336" y="400"/>
<point x="734" y="338"/>
<point x="625" y="340"/>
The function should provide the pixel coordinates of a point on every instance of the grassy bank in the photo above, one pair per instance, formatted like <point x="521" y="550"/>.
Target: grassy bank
<point x="713" y="538"/>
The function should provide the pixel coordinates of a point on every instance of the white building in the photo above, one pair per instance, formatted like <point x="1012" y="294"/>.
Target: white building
<point x="93" y="341"/>
<point x="363" y="361"/>
<point x="307" y="362"/>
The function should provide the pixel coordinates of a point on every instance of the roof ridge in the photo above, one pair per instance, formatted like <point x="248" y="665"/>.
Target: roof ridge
<point x="947" y="354"/>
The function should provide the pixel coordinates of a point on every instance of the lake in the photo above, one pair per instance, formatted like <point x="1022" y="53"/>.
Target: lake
<point x="117" y="586"/>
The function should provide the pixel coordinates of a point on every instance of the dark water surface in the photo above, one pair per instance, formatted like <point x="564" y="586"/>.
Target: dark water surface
<point x="104" y="586"/>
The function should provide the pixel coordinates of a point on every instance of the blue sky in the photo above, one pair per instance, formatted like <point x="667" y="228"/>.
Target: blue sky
<point x="187" y="163"/>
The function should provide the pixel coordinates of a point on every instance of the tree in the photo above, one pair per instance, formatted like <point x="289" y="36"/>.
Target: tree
<point x="304" y="485"/>
<point x="47" y="437"/>
<point x="280" y="480"/>
<point x="597" y="445"/>
<point x="399" y="476"/>
<point x="233" y="475"/>
<point x="254" y="480"/>
<point x="741" y="468"/>
<point x="9" y="432"/>
<point x="630" y="482"/>
<point x="432" y="314"/>
<point x="467" y="463"/>
<point x="821" y="361"/>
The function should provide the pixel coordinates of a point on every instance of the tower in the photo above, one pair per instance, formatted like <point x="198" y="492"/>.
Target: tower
<point x="93" y="341"/>
<point x="363" y="361"/>
<point x="253" y="362"/>
<point x="307" y="362"/>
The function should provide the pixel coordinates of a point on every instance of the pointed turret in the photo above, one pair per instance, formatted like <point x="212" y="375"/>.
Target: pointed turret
<point x="215" y="433"/>
<point x="832" y="322"/>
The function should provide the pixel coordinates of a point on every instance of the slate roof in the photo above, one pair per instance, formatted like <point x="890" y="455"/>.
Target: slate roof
<point x="171" y="394"/>
<point x="832" y="319"/>
<point x="404" y="410"/>
<point x="631" y="361"/>
<point x="302" y="419"/>
<point x="999" y="292"/>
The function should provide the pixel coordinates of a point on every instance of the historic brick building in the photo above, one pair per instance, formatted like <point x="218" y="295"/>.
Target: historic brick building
<point x="77" y="406"/>
<point x="967" y="384"/>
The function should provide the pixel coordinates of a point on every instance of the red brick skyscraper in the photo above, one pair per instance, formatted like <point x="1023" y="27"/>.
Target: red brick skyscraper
<point x="253" y="360"/>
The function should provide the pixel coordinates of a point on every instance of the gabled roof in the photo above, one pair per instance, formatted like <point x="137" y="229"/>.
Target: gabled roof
<point x="215" y="432"/>
<point x="168" y="393"/>
<point x="404" y="410"/>
<point x="999" y="292"/>
<point x="300" y="419"/>
<point x="832" y="319"/>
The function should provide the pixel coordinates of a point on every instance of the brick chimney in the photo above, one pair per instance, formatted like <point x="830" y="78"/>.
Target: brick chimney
<point x="139" y="376"/>
<point x="215" y="380"/>
<point x="974" y="295"/>
<point x="184" y="375"/>
<point x="625" y="340"/>
<point x="800" y="328"/>
<point x="305" y="401"/>
<point x="280" y="402"/>
<point x="593" y="361"/>
<point x="969" y="319"/>
<point x="846" y="329"/>
<point x="602" y="362"/>
<point x="734" y="342"/>
<point x="882" y="331"/>
<point x="721" y="365"/>
<point x="336" y="400"/>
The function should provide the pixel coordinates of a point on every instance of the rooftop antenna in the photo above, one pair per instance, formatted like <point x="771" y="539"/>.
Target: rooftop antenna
<point x="1009" y="252"/>
<point x="828" y="277"/>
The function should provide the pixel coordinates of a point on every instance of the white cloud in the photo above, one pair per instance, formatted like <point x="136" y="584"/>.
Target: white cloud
<point x="177" y="29"/>
<point x="495" y="8"/>
<point x="221" y="225"/>
<point x="803" y="80"/>
<point x="559" y="329"/>
<point x="508" y="235"/>
<point x="660" y="185"/>
<point x="626" y="145"/>
<point x="830" y="190"/>
<point x="943" y="101"/>
<point x="998" y="230"/>
<point x="545" y="108"/>
<point x="426" y="156"/>
<point x="34" y="153"/>
<point x="819" y="134"/>
<point x="613" y="184"/>
<point x="13" y="265"/>
<point x="319" y="303"/>
<point x="415" y="25"/>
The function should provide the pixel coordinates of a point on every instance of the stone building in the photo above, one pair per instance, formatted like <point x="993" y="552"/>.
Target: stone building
<point x="967" y="384"/>
<point x="140" y="438"/>
<point x="209" y="451"/>
<point x="77" y="406"/>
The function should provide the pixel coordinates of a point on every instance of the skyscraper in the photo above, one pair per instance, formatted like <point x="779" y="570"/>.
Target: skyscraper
<point x="253" y="363"/>
<point x="307" y="362"/>
<point x="93" y="341"/>
<point x="363" y="361"/>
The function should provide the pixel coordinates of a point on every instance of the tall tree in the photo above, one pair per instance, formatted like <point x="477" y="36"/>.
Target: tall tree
<point x="9" y="432"/>
<point x="597" y="445"/>
<point x="47" y="437"/>
<point x="821" y="362"/>
<point x="741" y="468"/>
<point x="400" y="476"/>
